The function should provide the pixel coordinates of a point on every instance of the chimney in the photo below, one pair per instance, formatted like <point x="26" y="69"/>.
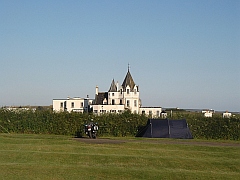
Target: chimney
<point x="96" y="90"/>
<point x="117" y="86"/>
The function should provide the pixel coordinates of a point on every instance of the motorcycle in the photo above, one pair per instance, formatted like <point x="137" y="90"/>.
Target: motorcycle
<point x="91" y="130"/>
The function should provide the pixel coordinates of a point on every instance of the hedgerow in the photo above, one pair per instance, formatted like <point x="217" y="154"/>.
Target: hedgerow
<point x="118" y="125"/>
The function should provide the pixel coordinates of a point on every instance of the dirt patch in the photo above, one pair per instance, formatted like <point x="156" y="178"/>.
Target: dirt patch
<point x="155" y="141"/>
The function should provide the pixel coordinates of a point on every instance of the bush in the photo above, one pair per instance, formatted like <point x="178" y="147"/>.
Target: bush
<point x="118" y="125"/>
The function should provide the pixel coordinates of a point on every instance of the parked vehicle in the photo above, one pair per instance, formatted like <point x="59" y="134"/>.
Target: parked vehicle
<point x="91" y="130"/>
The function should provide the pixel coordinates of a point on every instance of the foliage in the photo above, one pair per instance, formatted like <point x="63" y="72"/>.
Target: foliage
<point x="118" y="125"/>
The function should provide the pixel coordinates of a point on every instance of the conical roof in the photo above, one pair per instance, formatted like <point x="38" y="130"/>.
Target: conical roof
<point x="113" y="87"/>
<point x="128" y="81"/>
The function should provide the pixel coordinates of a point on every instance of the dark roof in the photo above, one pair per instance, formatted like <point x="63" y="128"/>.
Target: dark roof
<point x="100" y="97"/>
<point x="128" y="81"/>
<point x="113" y="87"/>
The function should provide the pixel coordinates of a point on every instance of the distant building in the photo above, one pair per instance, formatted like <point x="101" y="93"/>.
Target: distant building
<point x="153" y="112"/>
<point x="76" y="104"/>
<point x="207" y="113"/>
<point x="227" y="114"/>
<point x="120" y="98"/>
<point x="116" y="100"/>
<point x="20" y="108"/>
<point x="163" y="114"/>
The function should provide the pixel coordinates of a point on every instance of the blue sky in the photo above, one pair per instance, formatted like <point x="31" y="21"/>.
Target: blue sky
<point x="182" y="53"/>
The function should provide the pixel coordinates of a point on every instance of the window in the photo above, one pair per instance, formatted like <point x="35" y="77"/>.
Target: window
<point x="121" y="91"/>
<point x="143" y="112"/>
<point x="157" y="113"/>
<point x="103" y="111"/>
<point x="81" y="104"/>
<point x="105" y="101"/>
<point x="135" y="91"/>
<point x="113" y="102"/>
<point x="135" y="103"/>
<point x="128" y="103"/>
<point x="72" y="104"/>
<point x="61" y="104"/>
<point x="112" y="94"/>
<point x="127" y="91"/>
<point x="121" y="102"/>
<point x="150" y="113"/>
<point x="96" y="111"/>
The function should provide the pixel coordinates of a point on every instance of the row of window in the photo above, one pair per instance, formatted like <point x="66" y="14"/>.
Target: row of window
<point x="113" y="102"/>
<point x="135" y="103"/>
<point x="128" y="92"/>
<point x="72" y="104"/>
<point x="128" y="102"/>
<point x="120" y="111"/>
<point x="150" y="112"/>
<point x="111" y="111"/>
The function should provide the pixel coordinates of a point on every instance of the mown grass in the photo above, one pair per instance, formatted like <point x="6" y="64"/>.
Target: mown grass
<point x="62" y="157"/>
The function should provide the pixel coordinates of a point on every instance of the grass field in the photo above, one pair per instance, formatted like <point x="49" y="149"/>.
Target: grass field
<point x="62" y="157"/>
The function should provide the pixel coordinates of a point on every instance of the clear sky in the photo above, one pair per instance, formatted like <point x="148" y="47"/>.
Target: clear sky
<point x="182" y="53"/>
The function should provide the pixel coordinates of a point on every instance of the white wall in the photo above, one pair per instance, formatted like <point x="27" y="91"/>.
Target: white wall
<point x="208" y="114"/>
<point x="71" y="104"/>
<point x="154" y="112"/>
<point x="57" y="104"/>
<point x="99" y="109"/>
<point x="227" y="115"/>
<point x="131" y="97"/>
<point x="78" y="104"/>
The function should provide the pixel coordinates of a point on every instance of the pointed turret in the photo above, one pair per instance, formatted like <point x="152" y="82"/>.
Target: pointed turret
<point x="113" y="87"/>
<point x="128" y="81"/>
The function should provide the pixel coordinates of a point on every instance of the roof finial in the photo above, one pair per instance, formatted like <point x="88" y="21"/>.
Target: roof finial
<point x="128" y="66"/>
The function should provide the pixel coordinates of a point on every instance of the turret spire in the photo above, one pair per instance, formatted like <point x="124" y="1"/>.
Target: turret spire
<point x="128" y="81"/>
<point x="113" y="87"/>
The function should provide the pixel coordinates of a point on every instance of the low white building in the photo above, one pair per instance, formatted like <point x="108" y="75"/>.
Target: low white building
<point x="75" y="104"/>
<point x="153" y="112"/>
<point x="227" y="114"/>
<point x="208" y="114"/>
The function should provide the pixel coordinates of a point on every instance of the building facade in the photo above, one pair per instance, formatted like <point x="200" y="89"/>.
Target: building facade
<point x="76" y="104"/>
<point x="120" y="98"/>
<point x="116" y="100"/>
<point x="227" y="114"/>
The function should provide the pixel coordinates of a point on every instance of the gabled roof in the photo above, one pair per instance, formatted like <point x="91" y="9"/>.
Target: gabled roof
<point x="128" y="81"/>
<point x="113" y="87"/>
<point x="100" y="97"/>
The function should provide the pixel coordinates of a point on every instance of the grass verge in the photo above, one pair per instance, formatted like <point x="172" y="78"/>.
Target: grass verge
<point x="61" y="157"/>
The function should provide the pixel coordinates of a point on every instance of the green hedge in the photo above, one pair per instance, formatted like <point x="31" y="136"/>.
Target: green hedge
<point x="118" y="125"/>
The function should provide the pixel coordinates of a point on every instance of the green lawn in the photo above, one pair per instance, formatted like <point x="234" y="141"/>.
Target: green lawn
<point x="62" y="157"/>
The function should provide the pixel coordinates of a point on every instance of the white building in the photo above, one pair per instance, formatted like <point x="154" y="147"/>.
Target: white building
<point x="208" y="113"/>
<point x="76" y="104"/>
<point x="116" y="100"/>
<point x="227" y="114"/>
<point x="126" y="97"/>
<point x="153" y="112"/>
